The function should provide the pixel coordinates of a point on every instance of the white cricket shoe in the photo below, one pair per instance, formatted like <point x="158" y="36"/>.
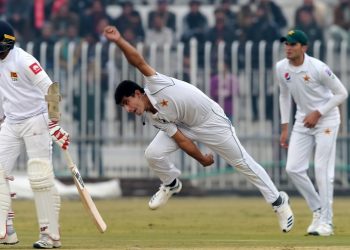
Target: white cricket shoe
<point x="284" y="213"/>
<point x="164" y="193"/>
<point x="316" y="220"/>
<point x="323" y="229"/>
<point x="46" y="242"/>
<point x="10" y="239"/>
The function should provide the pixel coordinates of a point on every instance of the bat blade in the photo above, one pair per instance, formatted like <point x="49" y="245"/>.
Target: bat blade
<point x="85" y="196"/>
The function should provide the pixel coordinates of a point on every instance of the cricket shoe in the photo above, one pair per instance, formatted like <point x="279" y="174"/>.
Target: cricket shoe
<point x="323" y="229"/>
<point x="164" y="193"/>
<point x="284" y="213"/>
<point x="316" y="220"/>
<point x="46" y="242"/>
<point x="10" y="239"/>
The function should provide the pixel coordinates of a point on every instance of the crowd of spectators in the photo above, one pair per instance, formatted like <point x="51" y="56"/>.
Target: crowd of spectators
<point x="256" y="20"/>
<point x="83" y="20"/>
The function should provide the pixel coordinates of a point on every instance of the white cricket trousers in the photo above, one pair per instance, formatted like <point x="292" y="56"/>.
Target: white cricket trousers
<point x="218" y="134"/>
<point x="33" y="133"/>
<point x="302" y="143"/>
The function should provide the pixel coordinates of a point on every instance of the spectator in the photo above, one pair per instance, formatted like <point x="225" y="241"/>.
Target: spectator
<point x="264" y="29"/>
<point x="162" y="10"/>
<point x="195" y="25"/>
<point x="56" y="5"/>
<point x="159" y="34"/>
<point x="223" y="89"/>
<point x="306" y="22"/>
<point x="18" y="15"/>
<point x="63" y="18"/>
<point x="221" y="32"/>
<point x="48" y="36"/>
<point x="318" y="10"/>
<point x="231" y="18"/>
<point x="244" y="31"/>
<point x="340" y="30"/>
<point x="130" y="22"/>
<point x="80" y="7"/>
<point x="274" y="13"/>
<point x="92" y="16"/>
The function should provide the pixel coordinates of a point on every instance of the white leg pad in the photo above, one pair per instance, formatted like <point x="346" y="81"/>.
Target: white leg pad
<point x="5" y="202"/>
<point x="46" y="197"/>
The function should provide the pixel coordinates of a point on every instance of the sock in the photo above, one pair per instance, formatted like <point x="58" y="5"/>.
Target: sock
<point x="173" y="183"/>
<point x="277" y="202"/>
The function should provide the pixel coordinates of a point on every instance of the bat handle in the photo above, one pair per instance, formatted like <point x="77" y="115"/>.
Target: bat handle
<point x="68" y="158"/>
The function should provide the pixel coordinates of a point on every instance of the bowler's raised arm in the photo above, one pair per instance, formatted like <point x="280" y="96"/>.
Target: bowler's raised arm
<point x="133" y="56"/>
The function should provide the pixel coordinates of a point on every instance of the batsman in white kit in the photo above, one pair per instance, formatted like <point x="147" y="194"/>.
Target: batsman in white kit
<point x="184" y="114"/>
<point x="26" y="92"/>
<point x="317" y="92"/>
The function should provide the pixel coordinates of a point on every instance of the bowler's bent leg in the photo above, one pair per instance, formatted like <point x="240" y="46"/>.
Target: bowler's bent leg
<point x="157" y="156"/>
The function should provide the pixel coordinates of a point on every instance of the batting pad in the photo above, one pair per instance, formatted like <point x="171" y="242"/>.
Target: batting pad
<point x="5" y="202"/>
<point x="46" y="197"/>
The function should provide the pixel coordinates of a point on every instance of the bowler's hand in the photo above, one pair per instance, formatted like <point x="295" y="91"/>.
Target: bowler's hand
<point x="111" y="33"/>
<point x="59" y="135"/>
<point x="207" y="160"/>
<point x="311" y="119"/>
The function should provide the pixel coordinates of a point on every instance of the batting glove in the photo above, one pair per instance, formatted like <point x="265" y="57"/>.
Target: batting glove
<point x="59" y="135"/>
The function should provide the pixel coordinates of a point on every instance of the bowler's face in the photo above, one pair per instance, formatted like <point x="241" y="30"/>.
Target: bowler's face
<point x="133" y="104"/>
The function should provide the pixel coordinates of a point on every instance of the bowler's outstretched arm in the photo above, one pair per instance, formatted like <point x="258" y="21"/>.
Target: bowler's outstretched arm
<point x="133" y="56"/>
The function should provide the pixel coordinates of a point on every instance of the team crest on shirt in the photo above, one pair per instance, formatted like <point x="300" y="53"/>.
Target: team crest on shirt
<point x="306" y="78"/>
<point x="287" y="76"/>
<point x="35" y="68"/>
<point x="14" y="76"/>
<point x="164" y="103"/>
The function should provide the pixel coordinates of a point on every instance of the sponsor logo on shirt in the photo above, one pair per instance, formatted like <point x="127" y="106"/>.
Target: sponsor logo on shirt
<point x="329" y="73"/>
<point x="14" y="76"/>
<point x="35" y="68"/>
<point x="287" y="76"/>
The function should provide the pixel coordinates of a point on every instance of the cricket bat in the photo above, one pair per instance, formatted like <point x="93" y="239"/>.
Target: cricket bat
<point x="84" y="194"/>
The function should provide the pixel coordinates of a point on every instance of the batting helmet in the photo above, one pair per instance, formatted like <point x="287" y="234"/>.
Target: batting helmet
<point x="7" y="37"/>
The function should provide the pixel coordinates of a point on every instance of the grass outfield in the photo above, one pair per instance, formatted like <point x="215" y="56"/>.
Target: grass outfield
<point x="185" y="223"/>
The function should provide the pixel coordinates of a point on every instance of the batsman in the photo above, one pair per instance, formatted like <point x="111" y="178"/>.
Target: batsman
<point x="30" y="103"/>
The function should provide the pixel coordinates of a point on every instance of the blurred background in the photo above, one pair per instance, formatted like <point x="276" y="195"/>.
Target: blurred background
<point x="227" y="48"/>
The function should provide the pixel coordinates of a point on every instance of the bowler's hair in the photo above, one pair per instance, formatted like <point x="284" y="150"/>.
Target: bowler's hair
<point x="125" y="89"/>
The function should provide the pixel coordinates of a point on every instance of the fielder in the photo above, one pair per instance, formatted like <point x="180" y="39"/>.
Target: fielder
<point x="185" y="114"/>
<point x="23" y="86"/>
<point x="317" y="93"/>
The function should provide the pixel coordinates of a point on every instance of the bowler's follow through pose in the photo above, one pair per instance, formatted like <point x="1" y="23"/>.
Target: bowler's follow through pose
<point x="184" y="114"/>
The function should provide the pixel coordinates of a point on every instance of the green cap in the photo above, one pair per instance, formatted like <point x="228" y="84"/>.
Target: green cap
<point x="295" y="36"/>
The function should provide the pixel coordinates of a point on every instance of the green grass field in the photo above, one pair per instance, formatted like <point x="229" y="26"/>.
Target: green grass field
<point x="228" y="222"/>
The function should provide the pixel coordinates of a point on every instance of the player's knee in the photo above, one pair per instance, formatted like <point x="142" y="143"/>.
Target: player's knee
<point x="240" y="164"/>
<point x="40" y="174"/>
<point x="152" y="154"/>
<point x="292" y="171"/>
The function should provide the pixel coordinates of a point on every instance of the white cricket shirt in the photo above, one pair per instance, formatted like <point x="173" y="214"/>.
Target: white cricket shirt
<point x="20" y="74"/>
<point x="313" y="86"/>
<point x="177" y="102"/>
